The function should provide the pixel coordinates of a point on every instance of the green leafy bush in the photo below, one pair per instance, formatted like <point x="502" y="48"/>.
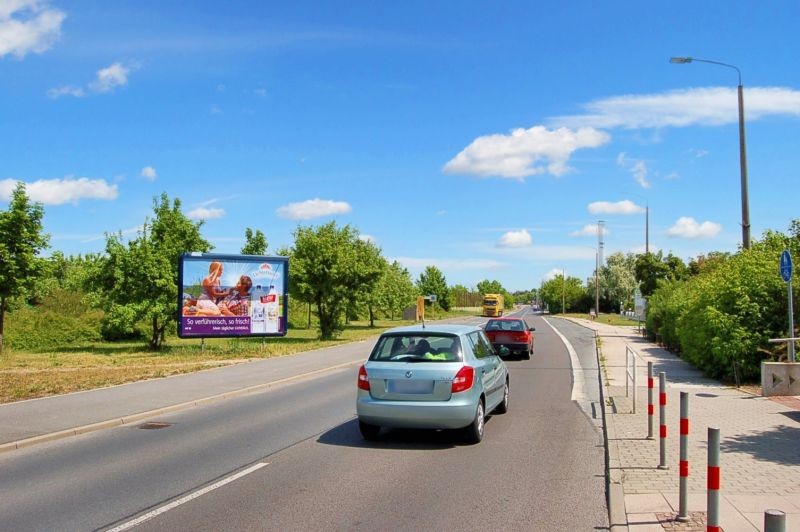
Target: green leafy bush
<point x="62" y="318"/>
<point x="722" y="318"/>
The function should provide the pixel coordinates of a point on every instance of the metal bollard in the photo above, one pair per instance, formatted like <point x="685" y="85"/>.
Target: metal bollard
<point x="662" y="414"/>
<point x="650" y="406"/>
<point x="712" y="501"/>
<point x="774" y="521"/>
<point x="683" y="494"/>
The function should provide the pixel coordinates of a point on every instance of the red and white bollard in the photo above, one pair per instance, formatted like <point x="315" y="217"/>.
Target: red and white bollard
<point x="712" y="501"/>
<point x="683" y="495"/>
<point x="662" y="411"/>
<point x="650" y="406"/>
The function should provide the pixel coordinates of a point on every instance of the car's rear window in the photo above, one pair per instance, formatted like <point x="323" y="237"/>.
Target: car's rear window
<point x="416" y="347"/>
<point x="505" y="325"/>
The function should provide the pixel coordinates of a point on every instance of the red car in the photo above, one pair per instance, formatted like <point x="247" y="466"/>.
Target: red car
<point x="510" y="336"/>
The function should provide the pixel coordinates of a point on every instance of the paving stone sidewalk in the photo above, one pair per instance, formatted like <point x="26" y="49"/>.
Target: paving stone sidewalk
<point x="759" y="442"/>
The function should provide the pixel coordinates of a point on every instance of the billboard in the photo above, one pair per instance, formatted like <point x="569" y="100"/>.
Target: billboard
<point x="232" y="295"/>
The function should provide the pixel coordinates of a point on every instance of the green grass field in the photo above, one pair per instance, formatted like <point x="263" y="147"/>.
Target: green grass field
<point x="76" y="366"/>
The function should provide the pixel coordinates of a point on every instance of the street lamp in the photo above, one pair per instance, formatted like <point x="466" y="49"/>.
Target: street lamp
<point x="742" y="152"/>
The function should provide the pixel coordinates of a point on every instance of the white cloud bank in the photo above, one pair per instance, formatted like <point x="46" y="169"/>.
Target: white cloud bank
<point x="524" y="152"/>
<point x="687" y="227"/>
<point x="315" y="208"/>
<point x="106" y="80"/>
<point x="589" y="230"/>
<point x="204" y="213"/>
<point x="149" y="173"/>
<point x="515" y="239"/>
<point x="620" y="207"/>
<point x="28" y="26"/>
<point x="60" y="191"/>
<point x="637" y="167"/>
<point x="710" y="106"/>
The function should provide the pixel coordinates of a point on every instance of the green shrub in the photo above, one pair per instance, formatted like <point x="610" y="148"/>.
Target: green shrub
<point x="62" y="318"/>
<point x="726" y="314"/>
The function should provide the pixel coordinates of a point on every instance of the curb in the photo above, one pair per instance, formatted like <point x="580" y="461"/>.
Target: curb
<point x="615" y="494"/>
<point x="133" y="418"/>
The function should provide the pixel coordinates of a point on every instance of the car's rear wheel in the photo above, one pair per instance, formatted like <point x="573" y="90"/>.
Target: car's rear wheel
<point x="473" y="432"/>
<point x="368" y="431"/>
<point x="502" y="408"/>
<point x="527" y="355"/>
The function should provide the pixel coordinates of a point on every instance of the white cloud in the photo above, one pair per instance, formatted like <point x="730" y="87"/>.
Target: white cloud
<point x="203" y="213"/>
<point x="524" y="152"/>
<point x="66" y="90"/>
<point x="589" y="230"/>
<point x="110" y="77"/>
<point x="261" y="93"/>
<point x="149" y="173"/>
<point x="316" y="208"/>
<point x="637" y="167"/>
<point x="515" y="239"/>
<point x="367" y="238"/>
<point x="620" y="207"/>
<point x="711" y="106"/>
<point x="60" y="191"/>
<point x="28" y="26"/>
<point x="687" y="227"/>
<point x="697" y="153"/>
<point x="552" y="274"/>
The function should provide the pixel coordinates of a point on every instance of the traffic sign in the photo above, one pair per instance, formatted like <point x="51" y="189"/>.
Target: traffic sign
<point x="786" y="265"/>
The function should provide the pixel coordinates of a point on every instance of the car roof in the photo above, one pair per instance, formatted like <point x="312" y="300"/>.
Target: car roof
<point x="445" y="328"/>
<point x="506" y="319"/>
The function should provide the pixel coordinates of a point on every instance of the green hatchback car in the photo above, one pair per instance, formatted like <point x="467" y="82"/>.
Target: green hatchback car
<point x="439" y="376"/>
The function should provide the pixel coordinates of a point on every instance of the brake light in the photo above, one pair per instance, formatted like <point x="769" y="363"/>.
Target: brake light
<point x="363" y="380"/>
<point x="463" y="380"/>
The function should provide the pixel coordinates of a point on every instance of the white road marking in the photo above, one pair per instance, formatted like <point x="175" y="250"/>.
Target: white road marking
<point x="174" y="504"/>
<point x="578" y="391"/>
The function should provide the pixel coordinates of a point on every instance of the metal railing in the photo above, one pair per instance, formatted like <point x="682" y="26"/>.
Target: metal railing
<point x="630" y="372"/>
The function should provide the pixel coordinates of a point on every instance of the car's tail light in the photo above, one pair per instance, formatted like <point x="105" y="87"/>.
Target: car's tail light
<point x="363" y="380"/>
<point x="463" y="380"/>
<point x="521" y="337"/>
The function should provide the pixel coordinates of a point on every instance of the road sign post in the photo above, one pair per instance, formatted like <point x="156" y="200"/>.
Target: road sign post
<point x="786" y="274"/>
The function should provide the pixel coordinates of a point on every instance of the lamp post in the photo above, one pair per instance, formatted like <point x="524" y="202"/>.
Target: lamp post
<point x="742" y="151"/>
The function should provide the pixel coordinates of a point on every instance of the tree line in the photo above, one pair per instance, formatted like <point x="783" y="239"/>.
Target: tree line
<point x="134" y="282"/>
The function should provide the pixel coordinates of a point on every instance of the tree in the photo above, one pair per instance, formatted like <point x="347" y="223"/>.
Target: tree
<point x="21" y="241"/>
<point x="394" y="291"/>
<point x="140" y="281"/>
<point x="432" y="282"/>
<point x="559" y="293"/>
<point x="653" y="267"/>
<point x="490" y="287"/>
<point x="618" y="279"/>
<point x="367" y="266"/>
<point x="325" y="263"/>
<point x="255" y="243"/>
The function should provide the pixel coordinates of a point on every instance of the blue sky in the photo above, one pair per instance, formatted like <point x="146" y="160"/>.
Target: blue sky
<point x="485" y="138"/>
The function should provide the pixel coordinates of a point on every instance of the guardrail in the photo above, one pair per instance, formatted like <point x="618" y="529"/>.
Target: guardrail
<point x="630" y="372"/>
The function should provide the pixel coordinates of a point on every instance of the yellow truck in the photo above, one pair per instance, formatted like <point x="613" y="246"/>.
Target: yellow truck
<point x="493" y="305"/>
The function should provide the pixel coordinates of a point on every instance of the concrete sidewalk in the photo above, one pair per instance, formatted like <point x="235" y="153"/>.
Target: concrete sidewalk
<point x="759" y="443"/>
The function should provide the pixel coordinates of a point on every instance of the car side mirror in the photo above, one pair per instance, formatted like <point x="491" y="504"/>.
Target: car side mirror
<point x="532" y="329"/>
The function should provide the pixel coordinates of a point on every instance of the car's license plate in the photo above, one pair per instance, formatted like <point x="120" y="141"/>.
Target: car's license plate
<point x="411" y="386"/>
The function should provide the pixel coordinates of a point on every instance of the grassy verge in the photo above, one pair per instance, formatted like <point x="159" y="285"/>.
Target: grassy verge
<point x="77" y="367"/>
<point x="608" y="319"/>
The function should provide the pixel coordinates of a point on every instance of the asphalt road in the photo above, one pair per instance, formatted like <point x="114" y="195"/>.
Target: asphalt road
<point x="302" y="464"/>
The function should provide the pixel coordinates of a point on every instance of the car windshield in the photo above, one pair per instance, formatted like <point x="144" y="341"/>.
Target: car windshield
<point x="417" y="347"/>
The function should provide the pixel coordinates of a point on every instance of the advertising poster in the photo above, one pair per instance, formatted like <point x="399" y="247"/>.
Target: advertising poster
<point x="232" y="295"/>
